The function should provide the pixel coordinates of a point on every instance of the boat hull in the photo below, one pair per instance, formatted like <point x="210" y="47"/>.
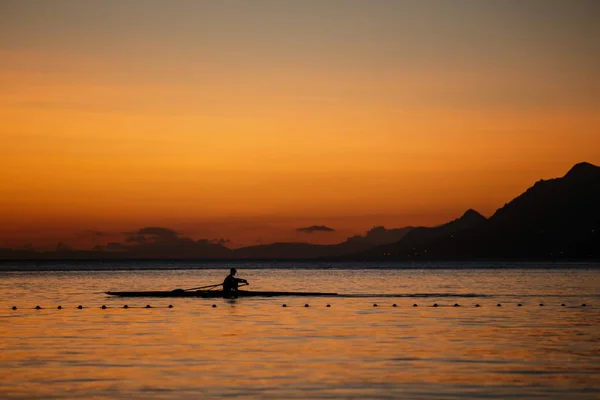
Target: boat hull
<point x="216" y="294"/>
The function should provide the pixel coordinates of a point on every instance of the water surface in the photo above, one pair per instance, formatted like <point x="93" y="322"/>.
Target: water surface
<point x="255" y="348"/>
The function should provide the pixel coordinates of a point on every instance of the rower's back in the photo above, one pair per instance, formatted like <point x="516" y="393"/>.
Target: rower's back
<point x="230" y="283"/>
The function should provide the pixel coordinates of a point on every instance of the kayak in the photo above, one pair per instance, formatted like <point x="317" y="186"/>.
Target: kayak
<point x="214" y="294"/>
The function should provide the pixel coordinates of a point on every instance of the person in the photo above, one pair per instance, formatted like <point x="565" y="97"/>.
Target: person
<point x="230" y="284"/>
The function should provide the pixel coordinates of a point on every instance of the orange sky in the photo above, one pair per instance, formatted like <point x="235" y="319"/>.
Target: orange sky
<point x="247" y="122"/>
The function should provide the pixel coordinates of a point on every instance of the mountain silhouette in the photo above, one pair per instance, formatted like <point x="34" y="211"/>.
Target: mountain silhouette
<point x="554" y="219"/>
<point x="419" y="237"/>
<point x="355" y="244"/>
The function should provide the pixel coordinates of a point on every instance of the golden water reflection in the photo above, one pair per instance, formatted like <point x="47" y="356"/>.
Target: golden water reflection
<point x="252" y="348"/>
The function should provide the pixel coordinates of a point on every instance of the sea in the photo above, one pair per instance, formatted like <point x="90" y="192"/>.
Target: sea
<point x="396" y="330"/>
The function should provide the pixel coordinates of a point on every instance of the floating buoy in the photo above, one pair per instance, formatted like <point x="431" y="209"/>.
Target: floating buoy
<point x="375" y="305"/>
<point x="284" y="305"/>
<point x="148" y="306"/>
<point x="562" y="305"/>
<point x="59" y="307"/>
<point x="498" y="305"/>
<point x="435" y="305"/>
<point x="125" y="306"/>
<point x="519" y="305"/>
<point x="170" y="305"/>
<point x="80" y="307"/>
<point x="14" y="307"/>
<point x="476" y="305"/>
<point x="328" y="305"/>
<point x="214" y="306"/>
<point x="306" y="305"/>
<point x="456" y="305"/>
<point x="103" y="307"/>
<point x="38" y="307"/>
<point x="583" y="305"/>
<point x="541" y="304"/>
<point x="394" y="305"/>
<point x="414" y="305"/>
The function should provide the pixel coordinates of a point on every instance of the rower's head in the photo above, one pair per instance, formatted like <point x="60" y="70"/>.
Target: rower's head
<point x="232" y="271"/>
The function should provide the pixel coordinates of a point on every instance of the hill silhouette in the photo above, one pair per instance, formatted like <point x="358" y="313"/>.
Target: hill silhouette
<point x="554" y="219"/>
<point x="281" y="251"/>
<point x="418" y="238"/>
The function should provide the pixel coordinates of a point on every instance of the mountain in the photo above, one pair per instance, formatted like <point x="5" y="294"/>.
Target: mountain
<point x="553" y="219"/>
<point x="418" y="238"/>
<point x="355" y="244"/>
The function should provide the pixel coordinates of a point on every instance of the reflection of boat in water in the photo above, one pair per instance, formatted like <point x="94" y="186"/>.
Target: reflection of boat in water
<point x="215" y="293"/>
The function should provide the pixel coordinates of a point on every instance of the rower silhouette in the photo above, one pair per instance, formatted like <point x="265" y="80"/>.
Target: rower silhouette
<point x="231" y="283"/>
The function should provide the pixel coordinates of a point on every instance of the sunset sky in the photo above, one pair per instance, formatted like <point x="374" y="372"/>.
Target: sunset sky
<point x="248" y="119"/>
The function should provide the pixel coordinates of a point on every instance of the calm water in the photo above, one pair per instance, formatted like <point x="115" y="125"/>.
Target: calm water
<point x="255" y="348"/>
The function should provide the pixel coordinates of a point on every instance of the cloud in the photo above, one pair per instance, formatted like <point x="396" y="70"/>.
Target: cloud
<point x="152" y="233"/>
<point x="155" y="241"/>
<point x="157" y="231"/>
<point x="315" y="228"/>
<point x="95" y="233"/>
<point x="116" y="246"/>
<point x="136" y="239"/>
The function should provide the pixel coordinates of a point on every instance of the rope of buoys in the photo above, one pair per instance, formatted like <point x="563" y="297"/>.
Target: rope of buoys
<point x="80" y="307"/>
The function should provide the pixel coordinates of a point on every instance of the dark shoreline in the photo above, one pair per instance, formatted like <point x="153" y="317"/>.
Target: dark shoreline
<point x="75" y="265"/>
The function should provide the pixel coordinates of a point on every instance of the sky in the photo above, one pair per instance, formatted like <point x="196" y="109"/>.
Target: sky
<point x="246" y="120"/>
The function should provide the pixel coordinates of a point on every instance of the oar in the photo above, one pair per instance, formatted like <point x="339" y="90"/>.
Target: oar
<point x="205" y="287"/>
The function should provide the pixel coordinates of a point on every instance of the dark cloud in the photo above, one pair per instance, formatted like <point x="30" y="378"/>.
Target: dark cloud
<point x="315" y="228"/>
<point x="152" y="233"/>
<point x="155" y="241"/>
<point x="116" y="246"/>
<point x="157" y="231"/>
<point x="136" y="239"/>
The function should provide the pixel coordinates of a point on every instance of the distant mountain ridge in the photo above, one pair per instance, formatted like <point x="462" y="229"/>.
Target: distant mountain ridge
<point x="419" y="237"/>
<point x="554" y="219"/>
<point x="282" y="251"/>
